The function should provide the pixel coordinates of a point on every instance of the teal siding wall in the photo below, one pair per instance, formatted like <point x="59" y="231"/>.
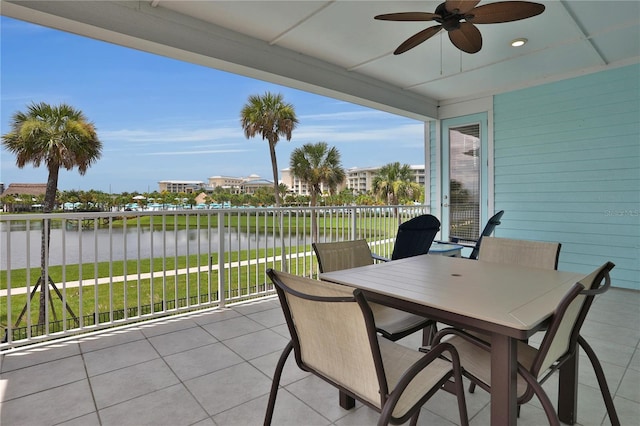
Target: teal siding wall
<point x="567" y="169"/>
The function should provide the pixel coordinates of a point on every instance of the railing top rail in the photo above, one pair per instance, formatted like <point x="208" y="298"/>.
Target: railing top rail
<point x="91" y="215"/>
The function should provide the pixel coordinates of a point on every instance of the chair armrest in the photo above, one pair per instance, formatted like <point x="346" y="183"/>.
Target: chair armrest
<point x="429" y="357"/>
<point x="437" y="338"/>
<point x="380" y="258"/>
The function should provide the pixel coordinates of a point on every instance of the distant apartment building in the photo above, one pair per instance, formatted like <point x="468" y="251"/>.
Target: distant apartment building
<point x="186" y="186"/>
<point x="299" y="187"/>
<point x="253" y="183"/>
<point x="419" y="174"/>
<point x="358" y="179"/>
<point x="237" y="185"/>
<point x="231" y="184"/>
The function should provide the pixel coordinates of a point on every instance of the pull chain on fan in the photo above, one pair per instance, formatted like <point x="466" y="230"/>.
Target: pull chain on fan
<point x="464" y="35"/>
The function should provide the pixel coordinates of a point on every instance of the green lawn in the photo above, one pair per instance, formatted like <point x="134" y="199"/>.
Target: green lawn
<point x="90" y="298"/>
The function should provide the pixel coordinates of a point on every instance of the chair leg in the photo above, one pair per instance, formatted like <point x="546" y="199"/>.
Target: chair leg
<point x="276" y="383"/>
<point x="462" y="401"/>
<point x="602" y="381"/>
<point x="472" y="387"/>
<point x="549" y="410"/>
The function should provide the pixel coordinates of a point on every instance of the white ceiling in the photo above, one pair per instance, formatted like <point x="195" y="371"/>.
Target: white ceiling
<point x="336" y="48"/>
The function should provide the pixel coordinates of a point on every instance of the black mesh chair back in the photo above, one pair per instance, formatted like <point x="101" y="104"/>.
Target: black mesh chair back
<point x="415" y="236"/>
<point x="487" y="231"/>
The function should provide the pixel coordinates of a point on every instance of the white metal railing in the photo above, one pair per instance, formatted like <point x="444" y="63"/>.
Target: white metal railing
<point x="108" y="269"/>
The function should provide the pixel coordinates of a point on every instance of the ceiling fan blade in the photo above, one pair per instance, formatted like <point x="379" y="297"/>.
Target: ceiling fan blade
<point x="460" y="6"/>
<point x="505" y="11"/>
<point x="466" y="38"/>
<point x="407" y="16"/>
<point x="416" y="39"/>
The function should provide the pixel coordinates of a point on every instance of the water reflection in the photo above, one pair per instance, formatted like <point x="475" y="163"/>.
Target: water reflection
<point x="72" y="246"/>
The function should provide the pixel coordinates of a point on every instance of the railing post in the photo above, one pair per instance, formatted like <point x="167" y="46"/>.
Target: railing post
<point x="8" y="332"/>
<point x="221" y="255"/>
<point x="354" y="222"/>
<point x="283" y="250"/>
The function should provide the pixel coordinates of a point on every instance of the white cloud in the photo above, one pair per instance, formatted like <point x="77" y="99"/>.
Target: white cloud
<point x="356" y="133"/>
<point x="211" y="151"/>
<point x="346" y="116"/>
<point x="357" y="126"/>
<point x="171" y="134"/>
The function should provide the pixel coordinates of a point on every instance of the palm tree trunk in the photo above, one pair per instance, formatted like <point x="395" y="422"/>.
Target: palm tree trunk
<point x="393" y="201"/>
<point x="274" y="167"/>
<point x="44" y="283"/>
<point x="276" y="193"/>
<point x="49" y="202"/>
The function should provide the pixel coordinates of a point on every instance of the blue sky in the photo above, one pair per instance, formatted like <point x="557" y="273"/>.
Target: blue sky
<point x="162" y="119"/>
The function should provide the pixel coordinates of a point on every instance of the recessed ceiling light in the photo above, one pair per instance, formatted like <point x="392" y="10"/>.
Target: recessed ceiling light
<point x="519" y="42"/>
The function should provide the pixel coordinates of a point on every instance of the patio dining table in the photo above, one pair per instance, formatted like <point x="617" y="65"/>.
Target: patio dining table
<point x="509" y="302"/>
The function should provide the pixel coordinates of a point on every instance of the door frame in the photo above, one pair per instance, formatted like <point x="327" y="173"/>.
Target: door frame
<point x="486" y="167"/>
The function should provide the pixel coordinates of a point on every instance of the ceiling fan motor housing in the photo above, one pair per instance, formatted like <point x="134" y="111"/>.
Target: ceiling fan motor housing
<point x="449" y="20"/>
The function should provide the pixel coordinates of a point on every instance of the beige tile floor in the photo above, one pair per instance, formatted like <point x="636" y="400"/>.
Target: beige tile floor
<point x="215" y="367"/>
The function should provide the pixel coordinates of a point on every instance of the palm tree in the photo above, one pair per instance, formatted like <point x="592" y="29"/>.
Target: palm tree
<point x="272" y="118"/>
<point x="317" y="165"/>
<point x="282" y="190"/>
<point x="395" y="181"/>
<point x="58" y="136"/>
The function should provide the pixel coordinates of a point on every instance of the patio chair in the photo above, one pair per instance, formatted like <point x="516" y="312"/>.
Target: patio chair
<point x="536" y="254"/>
<point x="487" y="231"/>
<point x="392" y="323"/>
<point x="535" y="365"/>
<point x="414" y="237"/>
<point x="333" y="336"/>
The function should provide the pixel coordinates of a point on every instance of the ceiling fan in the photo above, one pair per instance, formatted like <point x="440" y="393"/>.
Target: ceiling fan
<point x="464" y="35"/>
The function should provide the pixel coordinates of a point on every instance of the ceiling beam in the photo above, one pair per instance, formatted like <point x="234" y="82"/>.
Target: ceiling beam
<point x="577" y="25"/>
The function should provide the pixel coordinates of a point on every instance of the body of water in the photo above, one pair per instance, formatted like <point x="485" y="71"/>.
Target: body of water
<point x="71" y="247"/>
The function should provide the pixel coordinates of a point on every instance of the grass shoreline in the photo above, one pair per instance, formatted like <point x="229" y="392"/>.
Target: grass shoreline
<point x="126" y="294"/>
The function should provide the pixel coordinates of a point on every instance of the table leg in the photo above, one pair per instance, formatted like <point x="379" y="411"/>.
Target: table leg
<point x="346" y="401"/>
<point x="503" y="380"/>
<point x="568" y="391"/>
